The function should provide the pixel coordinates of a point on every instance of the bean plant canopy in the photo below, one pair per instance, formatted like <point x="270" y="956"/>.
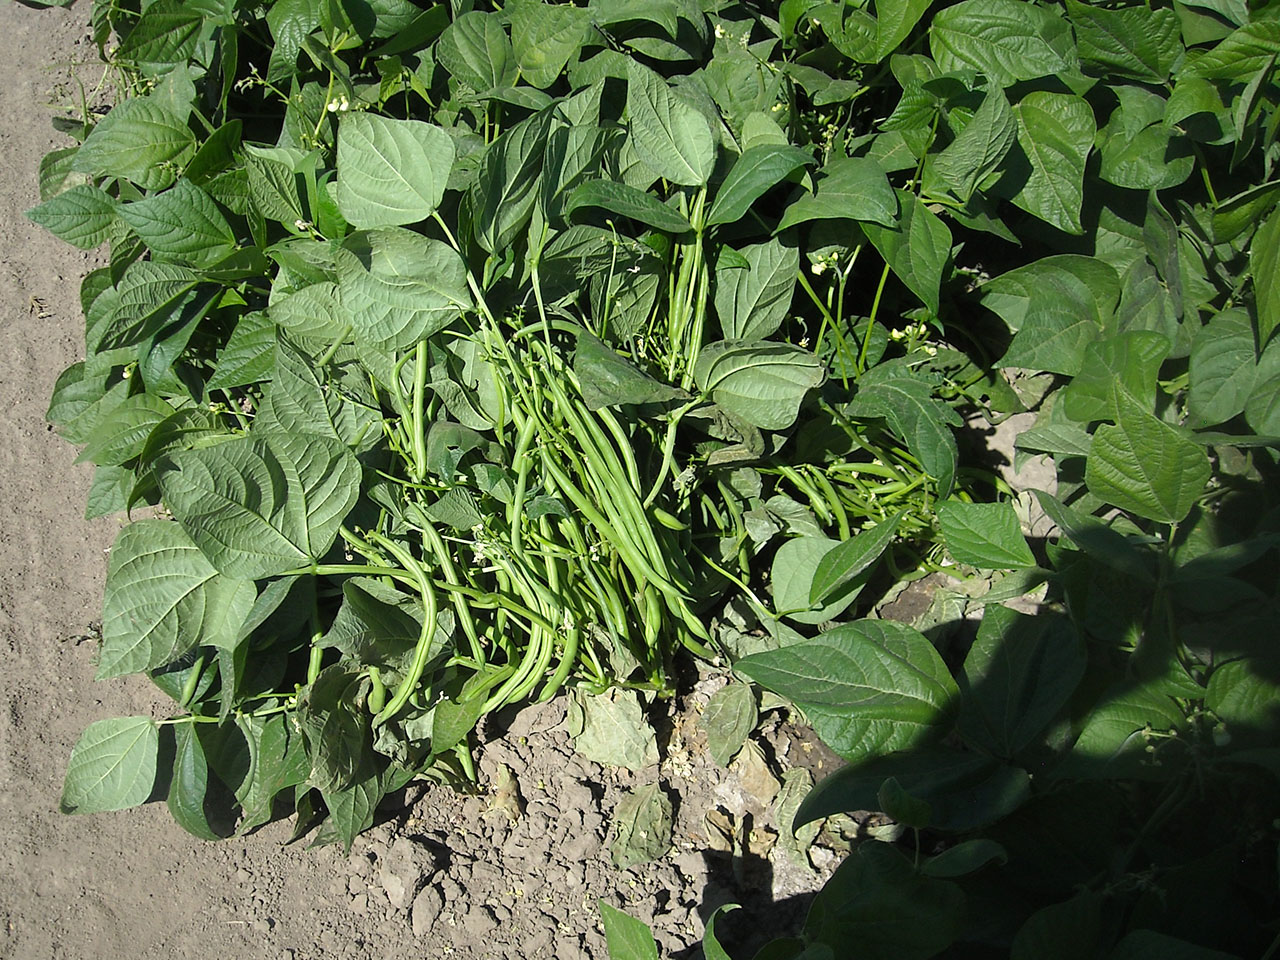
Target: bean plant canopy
<point x="455" y="356"/>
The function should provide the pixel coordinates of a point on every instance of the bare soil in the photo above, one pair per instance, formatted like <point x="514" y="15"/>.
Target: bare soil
<point x="444" y="874"/>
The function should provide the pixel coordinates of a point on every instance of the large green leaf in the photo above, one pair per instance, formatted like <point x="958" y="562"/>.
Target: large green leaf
<point x="475" y="49"/>
<point x="313" y="313"/>
<point x="672" y="137"/>
<point x="753" y="173"/>
<point x="1247" y="701"/>
<point x="1060" y="325"/>
<point x="895" y="19"/>
<point x="1140" y="43"/>
<point x="504" y="193"/>
<point x="763" y="383"/>
<point x="983" y="535"/>
<point x="1100" y="541"/>
<point x="754" y="289"/>
<point x="1138" y="150"/>
<point x="299" y="403"/>
<point x="1224" y="368"/>
<point x="850" y="558"/>
<point x="868" y="687"/>
<point x="290" y="21"/>
<point x="249" y="354"/>
<point x="1020" y="670"/>
<point x="851" y="188"/>
<point x="165" y="34"/>
<point x="572" y="156"/>
<point x="147" y="298"/>
<point x="337" y="728"/>
<point x="1008" y="40"/>
<point x="257" y="506"/>
<point x="1090" y="283"/>
<point x="1115" y="734"/>
<point x="81" y="399"/>
<point x="626" y="937"/>
<point x="1242" y="55"/>
<point x="607" y="378"/>
<point x="1264" y="264"/>
<point x="1144" y="465"/>
<point x="120" y="435"/>
<point x="83" y="216"/>
<point x="975" y="152"/>
<point x="273" y="185"/>
<point x="377" y="625"/>
<point x="792" y="575"/>
<point x="351" y="811"/>
<point x="183" y="223"/>
<point x="390" y="172"/>
<point x="189" y="784"/>
<point x="628" y="202"/>
<point x="544" y="37"/>
<point x="1262" y="411"/>
<point x="399" y="286"/>
<point x="112" y="766"/>
<point x="1131" y="359"/>
<point x="917" y="247"/>
<point x="276" y="761"/>
<point x="1055" y="131"/>
<point x="140" y="140"/>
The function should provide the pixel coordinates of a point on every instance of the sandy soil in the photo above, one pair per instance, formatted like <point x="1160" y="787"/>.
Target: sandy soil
<point x="442" y="877"/>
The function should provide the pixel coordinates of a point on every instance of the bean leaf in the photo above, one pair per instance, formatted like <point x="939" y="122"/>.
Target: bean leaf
<point x="112" y="766"/>
<point x="672" y="137"/>
<point x="163" y="598"/>
<point x="851" y="558"/>
<point x="257" y="506"/>
<point x="868" y="687"/>
<point x="390" y="172"/>
<point x="853" y="188"/>
<point x="728" y="718"/>
<point x="399" y="286"/>
<point x="983" y="534"/>
<point x="755" y="171"/>
<point x="763" y="383"/>
<point x="1145" y="465"/>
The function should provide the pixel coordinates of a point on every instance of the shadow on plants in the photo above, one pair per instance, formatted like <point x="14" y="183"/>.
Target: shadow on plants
<point x="1061" y="789"/>
<point x="746" y="879"/>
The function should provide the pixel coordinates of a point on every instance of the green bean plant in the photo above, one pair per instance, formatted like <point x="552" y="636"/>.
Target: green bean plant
<point x="470" y="354"/>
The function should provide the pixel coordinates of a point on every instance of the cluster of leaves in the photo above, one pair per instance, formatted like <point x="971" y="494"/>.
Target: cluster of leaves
<point x="1053" y="777"/>
<point x="468" y="357"/>
<point x="474" y="352"/>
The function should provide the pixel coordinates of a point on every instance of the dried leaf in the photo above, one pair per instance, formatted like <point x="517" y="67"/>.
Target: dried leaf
<point x="643" y="820"/>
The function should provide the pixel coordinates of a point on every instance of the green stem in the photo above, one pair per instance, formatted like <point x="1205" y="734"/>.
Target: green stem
<point x="871" y="320"/>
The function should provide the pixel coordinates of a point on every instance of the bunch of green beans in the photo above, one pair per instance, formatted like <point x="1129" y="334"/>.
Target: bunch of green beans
<point x="541" y="601"/>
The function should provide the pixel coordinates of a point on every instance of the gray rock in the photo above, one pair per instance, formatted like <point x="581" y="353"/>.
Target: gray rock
<point x="426" y="908"/>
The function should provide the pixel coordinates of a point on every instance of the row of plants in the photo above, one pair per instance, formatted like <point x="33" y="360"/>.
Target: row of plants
<point x="471" y="354"/>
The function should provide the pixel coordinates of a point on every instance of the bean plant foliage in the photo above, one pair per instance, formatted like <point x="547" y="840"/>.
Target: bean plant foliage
<point x="448" y="357"/>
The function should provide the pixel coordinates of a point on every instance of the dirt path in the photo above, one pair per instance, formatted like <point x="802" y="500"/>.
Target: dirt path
<point x="445" y="877"/>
